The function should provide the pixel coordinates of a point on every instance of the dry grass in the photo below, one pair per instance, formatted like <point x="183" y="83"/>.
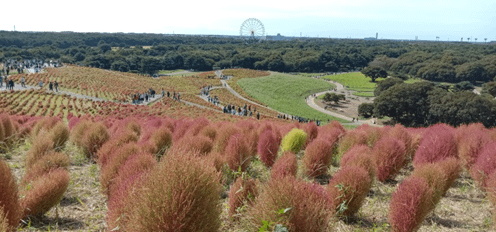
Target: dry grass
<point x="83" y="207"/>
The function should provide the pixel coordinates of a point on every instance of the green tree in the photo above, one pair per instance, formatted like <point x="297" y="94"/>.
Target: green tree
<point x="374" y="72"/>
<point x="386" y="84"/>
<point x="366" y="109"/>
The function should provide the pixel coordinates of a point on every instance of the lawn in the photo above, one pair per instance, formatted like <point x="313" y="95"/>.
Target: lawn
<point x="355" y="81"/>
<point x="286" y="93"/>
<point x="170" y="71"/>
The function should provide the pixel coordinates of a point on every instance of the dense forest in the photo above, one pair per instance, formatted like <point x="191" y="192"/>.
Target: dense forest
<point x="147" y="53"/>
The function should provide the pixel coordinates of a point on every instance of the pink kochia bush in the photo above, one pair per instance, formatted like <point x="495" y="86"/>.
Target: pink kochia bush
<point x="471" y="140"/>
<point x="9" y="198"/>
<point x="237" y="153"/>
<point x="243" y="190"/>
<point x="390" y="156"/>
<point x="438" y="143"/>
<point x="293" y="203"/>
<point x="485" y="165"/>
<point x="286" y="165"/>
<point x="361" y="156"/>
<point x="410" y="204"/>
<point x="268" y="145"/>
<point x="317" y="158"/>
<point x="181" y="194"/>
<point x="347" y="190"/>
<point x="45" y="192"/>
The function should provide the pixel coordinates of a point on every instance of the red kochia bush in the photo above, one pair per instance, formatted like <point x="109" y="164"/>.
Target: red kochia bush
<point x="267" y="148"/>
<point x="351" y="139"/>
<point x="317" y="159"/>
<point x="438" y="143"/>
<point x="347" y="190"/>
<point x="401" y="133"/>
<point x="4" y="223"/>
<point x="286" y="165"/>
<point x="45" y="192"/>
<point x="181" y="194"/>
<point x="237" y="153"/>
<point x="485" y="165"/>
<point x="242" y="191"/>
<point x="361" y="156"/>
<point x="410" y="204"/>
<point x="115" y="160"/>
<point x="471" y="140"/>
<point x="129" y="176"/>
<point x="94" y="138"/>
<point x="295" y="204"/>
<point x="223" y="136"/>
<point x="162" y="139"/>
<point x="44" y="164"/>
<point x="390" y="156"/>
<point x="9" y="198"/>
<point x="312" y="132"/>
<point x="42" y="145"/>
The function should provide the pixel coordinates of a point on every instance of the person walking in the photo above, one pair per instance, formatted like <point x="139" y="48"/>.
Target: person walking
<point x="50" y="86"/>
<point x="11" y="84"/>
<point x="23" y="82"/>
<point x="40" y="84"/>
<point x="56" y="86"/>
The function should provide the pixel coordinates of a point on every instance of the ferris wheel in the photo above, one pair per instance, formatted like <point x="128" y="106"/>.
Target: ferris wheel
<point x="252" y="28"/>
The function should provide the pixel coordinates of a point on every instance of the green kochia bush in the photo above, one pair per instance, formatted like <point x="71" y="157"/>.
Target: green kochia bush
<point x="181" y="194"/>
<point x="294" y="140"/>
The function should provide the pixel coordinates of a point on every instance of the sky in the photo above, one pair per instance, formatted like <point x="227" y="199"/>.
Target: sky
<point x="391" y="19"/>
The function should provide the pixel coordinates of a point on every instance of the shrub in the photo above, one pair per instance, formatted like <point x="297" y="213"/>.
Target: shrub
<point x="114" y="162"/>
<point x="410" y="204"/>
<point x="390" y="156"/>
<point x="451" y="168"/>
<point x="44" y="124"/>
<point x="347" y="190"/>
<point x="294" y="204"/>
<point x="361" y="156"/>
<point x="312" y="132"/>
<point x="42" y="145"/>
<point x="267" y="148"/>
<point x="78" y="131"/>
<point x="237" y="153"/>
<point x="182" y="194"/>
<point x="94" y="138"/>
<point x="162" y="139"/>
<point x="44" y="193"/>
<point x="438" y="143"/>
<point x="485" y="165"/>
<point x="129" y="177"/>
<point x="351" y="139"/>
<point x="59" y="135"/>
<point x="209" y="131"/>
<point x="374" y="134"/>
<point x="470" y="144"/>
<point x="8" y="128"/>
<point x="334" y="125"/>
<point x="400" y="132"/>
<point x="200" y="144"/>
<point x="286" y="165"/>
<point x="243" y="191"/>
<point x="223" y="136"/>
<point x="9" y="198"/>
<point x="4" y="223"/>
<point x="44" y="164"/>
<point x="294" y="140"/>
<point x="317" y="157"/>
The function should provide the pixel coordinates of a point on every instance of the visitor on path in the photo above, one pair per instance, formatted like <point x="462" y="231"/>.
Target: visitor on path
<point x="50" y="86"/>
<point x="146" y="97"/>
<point x="11" y="84"/>
<point x="163" y="92"/>
<point x="178" y="97"/>
<point x="258" y="115"/>
<point x="56" y="86"/>
<point x="23" y="82"/>
<point x="40" y="84"/>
